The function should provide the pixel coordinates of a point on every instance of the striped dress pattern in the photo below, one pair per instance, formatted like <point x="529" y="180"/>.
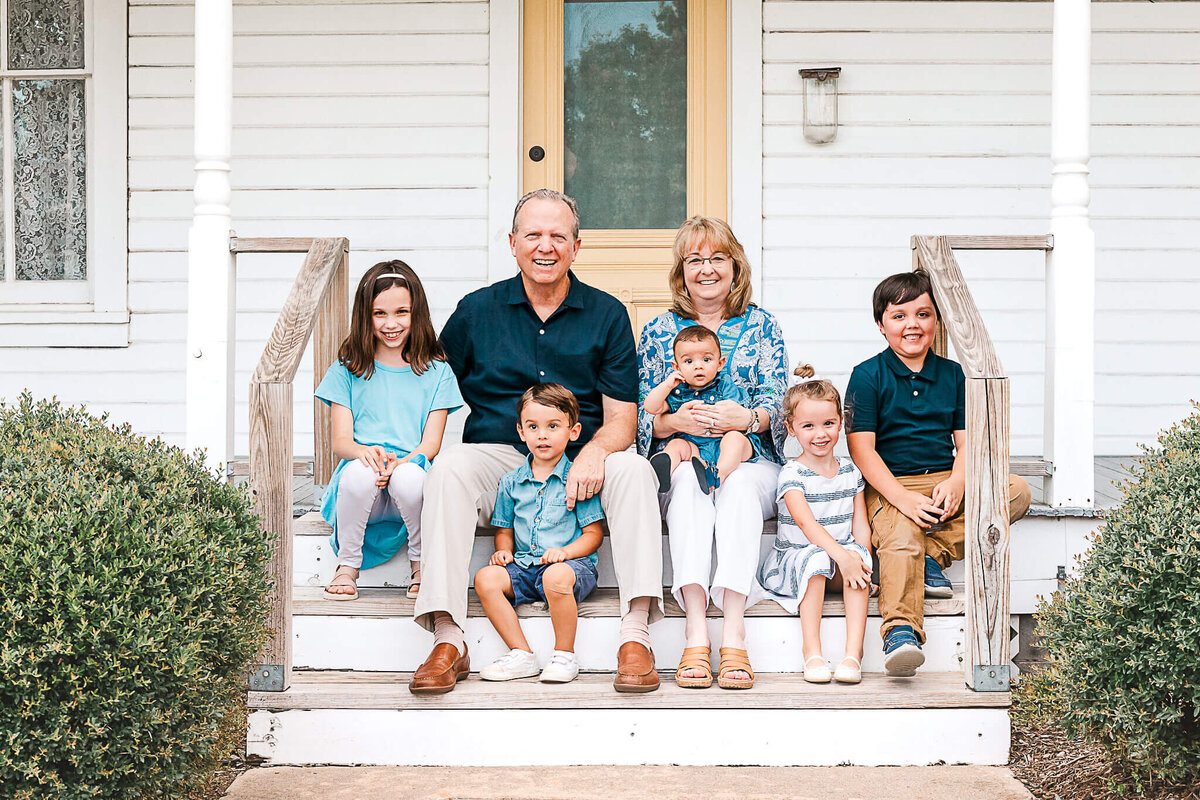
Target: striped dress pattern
<point x="793" y="560"/>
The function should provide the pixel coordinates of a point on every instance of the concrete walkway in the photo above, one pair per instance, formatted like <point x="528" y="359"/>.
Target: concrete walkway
<point x="628" y="783"/>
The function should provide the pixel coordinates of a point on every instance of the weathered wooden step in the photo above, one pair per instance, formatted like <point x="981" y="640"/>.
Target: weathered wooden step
<point x="352" y="718"/>
<point x="389" y="690"/>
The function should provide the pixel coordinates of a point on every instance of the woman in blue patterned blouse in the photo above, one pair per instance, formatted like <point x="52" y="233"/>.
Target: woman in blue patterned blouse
<point x="710" y="286"/>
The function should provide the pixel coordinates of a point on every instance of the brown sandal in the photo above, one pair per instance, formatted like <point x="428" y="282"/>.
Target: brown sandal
<point x="734" y="659"/>
<point x="414" y="584"/>
<point x="699" y="657"/>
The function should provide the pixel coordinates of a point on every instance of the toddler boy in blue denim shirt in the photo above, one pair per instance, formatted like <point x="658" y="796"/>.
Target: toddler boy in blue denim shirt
<point x="544" y="550"/>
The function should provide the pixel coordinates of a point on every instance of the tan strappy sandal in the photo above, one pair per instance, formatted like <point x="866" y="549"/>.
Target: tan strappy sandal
<point x="695" y="658"/>
<point x="414" y="584"/>
<point x="343" y="571"/>
<point x="734" y="659"/>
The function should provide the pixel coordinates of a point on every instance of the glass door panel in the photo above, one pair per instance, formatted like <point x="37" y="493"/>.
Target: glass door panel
<point x="625" y="111"/>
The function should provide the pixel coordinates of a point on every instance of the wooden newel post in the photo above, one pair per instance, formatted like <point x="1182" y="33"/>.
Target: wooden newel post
<point x="988" y="641"/>
<point x="271" y="484"/>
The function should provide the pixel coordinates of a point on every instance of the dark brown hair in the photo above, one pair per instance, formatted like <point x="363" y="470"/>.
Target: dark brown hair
<point x="550" y="395"/>
<point x="421" y="347"/>
<point x="717" y="234"/>
<point x="901" y="288"/>
<point x="810" y="390"/>
<point x="696" y="333"/>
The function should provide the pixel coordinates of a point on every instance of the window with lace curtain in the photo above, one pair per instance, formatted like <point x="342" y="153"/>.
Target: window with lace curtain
<point x="62" y="132"/>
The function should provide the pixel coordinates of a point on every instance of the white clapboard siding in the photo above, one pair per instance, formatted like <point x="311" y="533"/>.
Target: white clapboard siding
<point x="944" y="128"/>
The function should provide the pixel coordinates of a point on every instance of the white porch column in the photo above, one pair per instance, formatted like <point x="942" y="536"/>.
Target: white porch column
<point x="211" y="285"/>
<point x="1071" y="266"/>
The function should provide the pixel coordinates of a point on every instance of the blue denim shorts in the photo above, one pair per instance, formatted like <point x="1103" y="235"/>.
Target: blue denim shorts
<point x="527" y="581"/>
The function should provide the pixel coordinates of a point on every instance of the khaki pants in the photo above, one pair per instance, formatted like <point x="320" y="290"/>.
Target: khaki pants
<point x="902" y="545"/>
<point x="460" y="493"/>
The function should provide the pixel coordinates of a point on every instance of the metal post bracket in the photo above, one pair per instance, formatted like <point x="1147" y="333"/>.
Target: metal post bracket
<point x="992" y="678"/>
<point x="269" y="678"/>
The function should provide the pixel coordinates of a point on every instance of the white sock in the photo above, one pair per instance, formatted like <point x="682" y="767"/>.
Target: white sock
<point x="635" y="627"/>
<point x="446" y="632"/>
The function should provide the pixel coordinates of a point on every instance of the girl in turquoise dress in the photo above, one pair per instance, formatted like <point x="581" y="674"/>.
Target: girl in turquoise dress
<point x="390" y="394"/>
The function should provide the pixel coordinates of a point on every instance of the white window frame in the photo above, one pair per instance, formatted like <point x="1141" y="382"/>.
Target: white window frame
<point x="95" y="312"/>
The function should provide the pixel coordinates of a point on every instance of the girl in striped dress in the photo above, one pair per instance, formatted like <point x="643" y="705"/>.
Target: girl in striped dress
<point x="823" y="537"/>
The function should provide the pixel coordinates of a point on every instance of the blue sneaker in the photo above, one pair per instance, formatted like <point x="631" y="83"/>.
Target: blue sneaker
<point x="902" y="652"/>
<point x="936" y="584"/>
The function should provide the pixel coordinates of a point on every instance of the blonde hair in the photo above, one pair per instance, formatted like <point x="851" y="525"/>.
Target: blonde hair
<point x="717" y="234"/>
<point x="808" y="390"/>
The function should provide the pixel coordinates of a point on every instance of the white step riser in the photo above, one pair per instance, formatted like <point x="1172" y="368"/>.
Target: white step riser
<point x="1039" y="546"/>
<point x="775" y="643"/>
<point x="763" y="737"/>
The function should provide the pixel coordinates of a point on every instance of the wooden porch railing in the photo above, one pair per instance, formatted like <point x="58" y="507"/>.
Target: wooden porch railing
<point x="988" y="638"/>
<point x="318" y="300"/>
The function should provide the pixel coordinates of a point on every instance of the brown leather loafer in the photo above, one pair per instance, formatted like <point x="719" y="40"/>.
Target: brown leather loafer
<point x="441" y="671"/>
<point x="635" y="669"/>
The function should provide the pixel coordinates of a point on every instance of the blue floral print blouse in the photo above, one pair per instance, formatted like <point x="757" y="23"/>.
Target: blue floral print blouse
<point x="756" y="360"/>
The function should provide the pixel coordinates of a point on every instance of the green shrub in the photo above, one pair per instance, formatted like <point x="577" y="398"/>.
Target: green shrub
<point x="1123" y="639"/>
<point x="132" y="597"/>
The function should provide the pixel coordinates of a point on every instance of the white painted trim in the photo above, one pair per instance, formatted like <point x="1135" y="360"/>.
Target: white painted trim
<point x="746" y="133"/>
<point x="105" y="293"/>
<point x="1070" y="267"/>
<point x="59" y="329"/>
<point x="504" y="131"/>
<point x="508" y="737"/>
<point x="211" y="299"/>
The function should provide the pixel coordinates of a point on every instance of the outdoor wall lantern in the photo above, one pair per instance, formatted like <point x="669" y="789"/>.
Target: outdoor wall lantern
<point x="820" y="103"/>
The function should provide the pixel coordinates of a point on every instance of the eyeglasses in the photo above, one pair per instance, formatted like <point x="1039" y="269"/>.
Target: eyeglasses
<point x="716" y="259"/>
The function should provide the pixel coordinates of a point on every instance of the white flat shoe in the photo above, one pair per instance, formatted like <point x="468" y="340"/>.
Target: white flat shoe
<point x="563" y="667"/>
<point x="510" y="666"/>
<point x="816" y="670"/>
<point x="846" y="673"/>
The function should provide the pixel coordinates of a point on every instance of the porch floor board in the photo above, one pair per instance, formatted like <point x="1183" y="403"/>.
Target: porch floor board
<point x="389" y="690"/>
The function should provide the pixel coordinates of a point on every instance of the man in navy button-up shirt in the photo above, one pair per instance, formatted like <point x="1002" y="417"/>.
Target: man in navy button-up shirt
<point x="544" y="325"/>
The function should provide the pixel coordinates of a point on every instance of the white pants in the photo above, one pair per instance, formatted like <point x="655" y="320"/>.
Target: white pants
<point x="732" y="516"/>
<point x="360" y="501"/>
<point x="462" y="494"/>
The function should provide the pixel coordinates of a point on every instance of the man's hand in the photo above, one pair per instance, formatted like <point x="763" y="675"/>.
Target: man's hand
<point x="919" y="508"/>
<point x="724" y="416"/>
<point x="554" y="555"/>
<point x="586" y="476"/>
<point x="948" y="494"/>
<point x="500" y="558"/>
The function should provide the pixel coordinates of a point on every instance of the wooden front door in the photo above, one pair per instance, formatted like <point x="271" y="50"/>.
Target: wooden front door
<point x="625" y="109"/>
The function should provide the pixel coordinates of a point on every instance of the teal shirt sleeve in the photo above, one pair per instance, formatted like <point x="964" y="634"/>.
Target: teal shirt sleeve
<point x="587" y="511"/>
<point x="502" y="514"/>
<point x="335" y="386"/>
<point x="446" y="395"/>
<point x="861" y="408"/>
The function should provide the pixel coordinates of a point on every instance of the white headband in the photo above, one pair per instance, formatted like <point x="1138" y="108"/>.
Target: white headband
<point x="391" y="275"/>
<point x="809" y="379"/>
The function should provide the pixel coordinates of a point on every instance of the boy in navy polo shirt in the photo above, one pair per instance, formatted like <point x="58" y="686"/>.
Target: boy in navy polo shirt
<point x="906" y="418"/>
<point x="544" y="550"/>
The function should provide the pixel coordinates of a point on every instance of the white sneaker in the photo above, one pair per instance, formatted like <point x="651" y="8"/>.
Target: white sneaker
<point x="510" y="666"/>
<point x="563" y="667"/>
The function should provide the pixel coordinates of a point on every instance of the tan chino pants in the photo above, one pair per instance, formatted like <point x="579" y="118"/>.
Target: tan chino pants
<point x="460" y="494"/>
<point x="902" y="545"/>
